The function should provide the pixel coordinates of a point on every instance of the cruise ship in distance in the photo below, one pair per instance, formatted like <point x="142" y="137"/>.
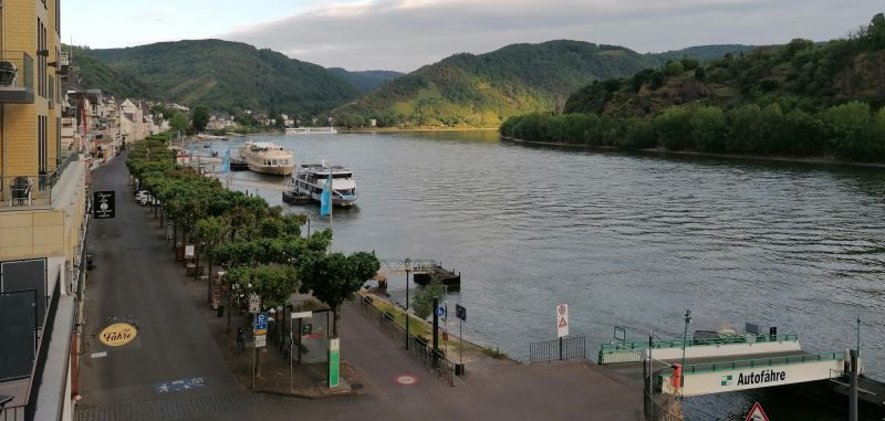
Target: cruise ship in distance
<point x="267" y="158"/>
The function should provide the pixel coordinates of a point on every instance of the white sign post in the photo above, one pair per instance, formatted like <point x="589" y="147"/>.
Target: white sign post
<point x="254" y="303"/>
<point x="562" y="320"/>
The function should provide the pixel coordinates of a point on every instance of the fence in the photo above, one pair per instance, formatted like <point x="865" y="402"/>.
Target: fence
<point x="433" y="359"/>
<point x="655" y="411"/>
<point x="558" y="349"/>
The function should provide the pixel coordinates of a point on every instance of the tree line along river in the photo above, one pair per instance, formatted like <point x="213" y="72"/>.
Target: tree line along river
<point x="626" y="240"/>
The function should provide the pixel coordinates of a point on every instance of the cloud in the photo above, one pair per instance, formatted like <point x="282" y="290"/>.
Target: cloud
<point x="157" y="15"/>
<point x="405" y="34"/>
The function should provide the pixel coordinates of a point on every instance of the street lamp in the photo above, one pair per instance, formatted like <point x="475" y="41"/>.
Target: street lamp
<point x="684" y="340"/>
<point x="407" y="265"/>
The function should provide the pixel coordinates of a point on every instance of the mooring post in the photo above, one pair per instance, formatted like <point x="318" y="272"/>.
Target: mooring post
<point x="560" y="348"/>
<point x="852" y="414"/>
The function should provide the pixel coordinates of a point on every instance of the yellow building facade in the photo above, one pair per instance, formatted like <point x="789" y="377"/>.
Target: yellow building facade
<point x="43" y="204"/>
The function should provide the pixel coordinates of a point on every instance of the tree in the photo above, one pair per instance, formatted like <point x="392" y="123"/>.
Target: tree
<point x="178" y="122"/>
<point x="334" y="278"/>
<point x="200" y="118"/>
<point x="211" y="232"/>
<point x="422" y="304"/>
<point x="674" y="128"/>
<point x="708" y="129"/>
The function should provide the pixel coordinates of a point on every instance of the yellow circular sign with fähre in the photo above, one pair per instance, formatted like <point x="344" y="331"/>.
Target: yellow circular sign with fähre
<point x="118" y="334"/>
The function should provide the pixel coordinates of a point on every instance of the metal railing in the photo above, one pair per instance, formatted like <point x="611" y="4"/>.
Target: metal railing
<point x="558" y="349"/>
<point x="433" y="359"/>
<point x="654" y="411"/>
<point x="26" y="190"/>
<point x="13" y="413"/>
<point x="755" y="363"/>
<point x="632" y="351"/>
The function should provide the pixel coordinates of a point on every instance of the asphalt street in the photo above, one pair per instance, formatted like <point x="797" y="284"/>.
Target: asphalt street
<point x="174" y="369"/>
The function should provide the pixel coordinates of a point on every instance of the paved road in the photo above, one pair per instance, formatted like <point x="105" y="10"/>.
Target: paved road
<point x="136" y="279"/>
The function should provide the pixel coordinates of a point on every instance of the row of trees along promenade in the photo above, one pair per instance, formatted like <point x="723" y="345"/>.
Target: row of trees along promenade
<point x="261" y="250"/>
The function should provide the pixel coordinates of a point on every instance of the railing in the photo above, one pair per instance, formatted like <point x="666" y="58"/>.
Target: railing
<point x="25" y="190"/>
<point x="16" y="77"/>
<point x="755" y="363"/>
<point x="632" y="351"/>
<point x="558" y="349"/>
<point x="13" y="413"/>
<point x="654" y="411"/>
<point x="433" y="359"/>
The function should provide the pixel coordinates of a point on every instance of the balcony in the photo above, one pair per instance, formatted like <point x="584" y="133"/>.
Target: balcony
<point x="29" y="191"/>
<point x="16" y="78"/>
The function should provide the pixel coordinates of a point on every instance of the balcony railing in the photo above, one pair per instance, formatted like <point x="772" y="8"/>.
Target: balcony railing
<point x="30" y="190"/>
<point x="16" y="77"/>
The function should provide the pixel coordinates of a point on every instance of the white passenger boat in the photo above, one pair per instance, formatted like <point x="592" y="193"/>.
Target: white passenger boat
<point x="310" y="130"/>
<point x="310" y="179"/>
<point x="267" y="158"/>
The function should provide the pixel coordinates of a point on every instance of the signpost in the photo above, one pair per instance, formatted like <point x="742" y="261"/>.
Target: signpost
<point x="461" y="314"/>
<point x="561" y="324"/>
<point x="334" y="362"/>
<point x="103" y="204"/>
<point x="756" y="413"/>
<point x="254" y="303"/>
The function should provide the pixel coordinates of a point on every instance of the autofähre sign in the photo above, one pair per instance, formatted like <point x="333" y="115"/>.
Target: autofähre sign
<point x="103" y="204"/>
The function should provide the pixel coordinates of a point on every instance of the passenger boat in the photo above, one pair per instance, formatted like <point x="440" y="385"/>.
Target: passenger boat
<point x="310" y="179"/>
<point x="267" y="158"/>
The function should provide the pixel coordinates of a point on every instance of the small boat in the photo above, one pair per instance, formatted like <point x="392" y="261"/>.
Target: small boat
<point x="267" y="158"/>
<point x="310" y="179"/>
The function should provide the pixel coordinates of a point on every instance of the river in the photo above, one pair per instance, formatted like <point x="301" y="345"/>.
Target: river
<point x="625" y="239"/>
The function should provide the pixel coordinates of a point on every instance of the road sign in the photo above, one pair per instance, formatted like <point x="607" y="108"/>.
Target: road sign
<point x="254" y="303"/>
<point x="260" y="341"/>
<point x="562" y="320"/>
<point x="334" y="362"/>
<point x="103" y="204"/>
<point x="302" y="315"/>
<point x="440" y="311"/>
<point x="757" y="414"/>
<point x="461" y="312"/>
<point x="261" y="324"/>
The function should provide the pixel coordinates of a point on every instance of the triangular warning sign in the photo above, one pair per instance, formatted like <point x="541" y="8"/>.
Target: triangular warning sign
<point x="562" y="322"/>
<point x="757" y="414"/>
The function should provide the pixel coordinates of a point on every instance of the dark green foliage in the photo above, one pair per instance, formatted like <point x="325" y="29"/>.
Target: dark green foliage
<point x="228" y="76"/>
<point x="334" y="278"/>
<point x="365" y="81"/>
<point x="482" y="90"/>
<point x="200" y="118"/>
<point x="702" y="53"/>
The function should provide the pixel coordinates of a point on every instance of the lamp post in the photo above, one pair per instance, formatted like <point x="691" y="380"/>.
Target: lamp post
<point x="684" y="340"/>
<point x="407" y="265"/>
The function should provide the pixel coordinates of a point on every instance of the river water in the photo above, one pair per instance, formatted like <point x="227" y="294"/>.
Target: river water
<point x="626" y="240"/>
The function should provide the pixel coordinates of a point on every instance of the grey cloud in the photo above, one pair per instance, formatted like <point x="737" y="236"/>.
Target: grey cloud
<point x="406" y="34"/>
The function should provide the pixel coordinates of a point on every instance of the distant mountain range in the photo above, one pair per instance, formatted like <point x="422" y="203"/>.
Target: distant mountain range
<point x="461" y="90"/>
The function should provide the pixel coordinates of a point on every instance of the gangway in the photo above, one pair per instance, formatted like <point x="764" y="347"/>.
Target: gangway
<point x="723" y="347"/>
<point x="744" y="374"/>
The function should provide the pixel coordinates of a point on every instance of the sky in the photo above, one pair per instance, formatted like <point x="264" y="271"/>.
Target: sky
<point x="404" y="35"/>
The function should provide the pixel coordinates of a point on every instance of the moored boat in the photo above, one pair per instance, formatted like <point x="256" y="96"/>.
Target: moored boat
<point x="267" y="158"/>
<point x="310" y="179"/>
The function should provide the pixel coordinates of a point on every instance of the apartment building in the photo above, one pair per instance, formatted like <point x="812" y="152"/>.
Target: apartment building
<point x="42" y="218"/>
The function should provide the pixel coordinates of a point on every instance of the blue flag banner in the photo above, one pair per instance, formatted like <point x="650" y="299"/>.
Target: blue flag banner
<point x="225" y="165"/>
<point x="326" y="198"/>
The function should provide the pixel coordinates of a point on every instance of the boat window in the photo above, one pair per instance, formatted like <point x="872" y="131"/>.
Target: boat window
<point x="273" y="162"/>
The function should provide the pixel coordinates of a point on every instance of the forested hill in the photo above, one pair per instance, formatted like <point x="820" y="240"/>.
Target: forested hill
<point x="367" y="80"/>
<point x="227" y="76"/>
<point x="483" y="90"/>
<point x="802" y="99"/>
<point x="703" y="52"/>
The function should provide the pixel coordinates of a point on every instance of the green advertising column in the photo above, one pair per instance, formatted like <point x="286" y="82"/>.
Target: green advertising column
<point x="334" y="362"/>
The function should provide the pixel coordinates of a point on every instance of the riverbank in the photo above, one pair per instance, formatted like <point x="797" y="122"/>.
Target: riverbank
<point x="664" y="151"/>
<point x="416" y="129"/>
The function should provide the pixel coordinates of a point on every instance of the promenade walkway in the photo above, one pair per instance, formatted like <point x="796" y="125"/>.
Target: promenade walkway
<point x="137" y="279"/>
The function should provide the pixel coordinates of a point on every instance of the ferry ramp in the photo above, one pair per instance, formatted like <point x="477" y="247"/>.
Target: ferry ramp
<point x="720" y="376"/>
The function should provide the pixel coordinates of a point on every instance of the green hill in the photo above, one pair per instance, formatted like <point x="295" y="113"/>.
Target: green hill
<point x="703" y="52"/>
<point x="802" y="99"/>
<point x="483" y="90"/>
<point x="226" y="76"/>
<point x="93" y="73"/>
<point x="365" y="81"/>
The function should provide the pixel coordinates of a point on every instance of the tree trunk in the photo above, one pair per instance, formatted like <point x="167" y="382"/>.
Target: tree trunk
<point x="197" y="262"/>
<point x="209" y="282"/>
<point x="336" y="314"/>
